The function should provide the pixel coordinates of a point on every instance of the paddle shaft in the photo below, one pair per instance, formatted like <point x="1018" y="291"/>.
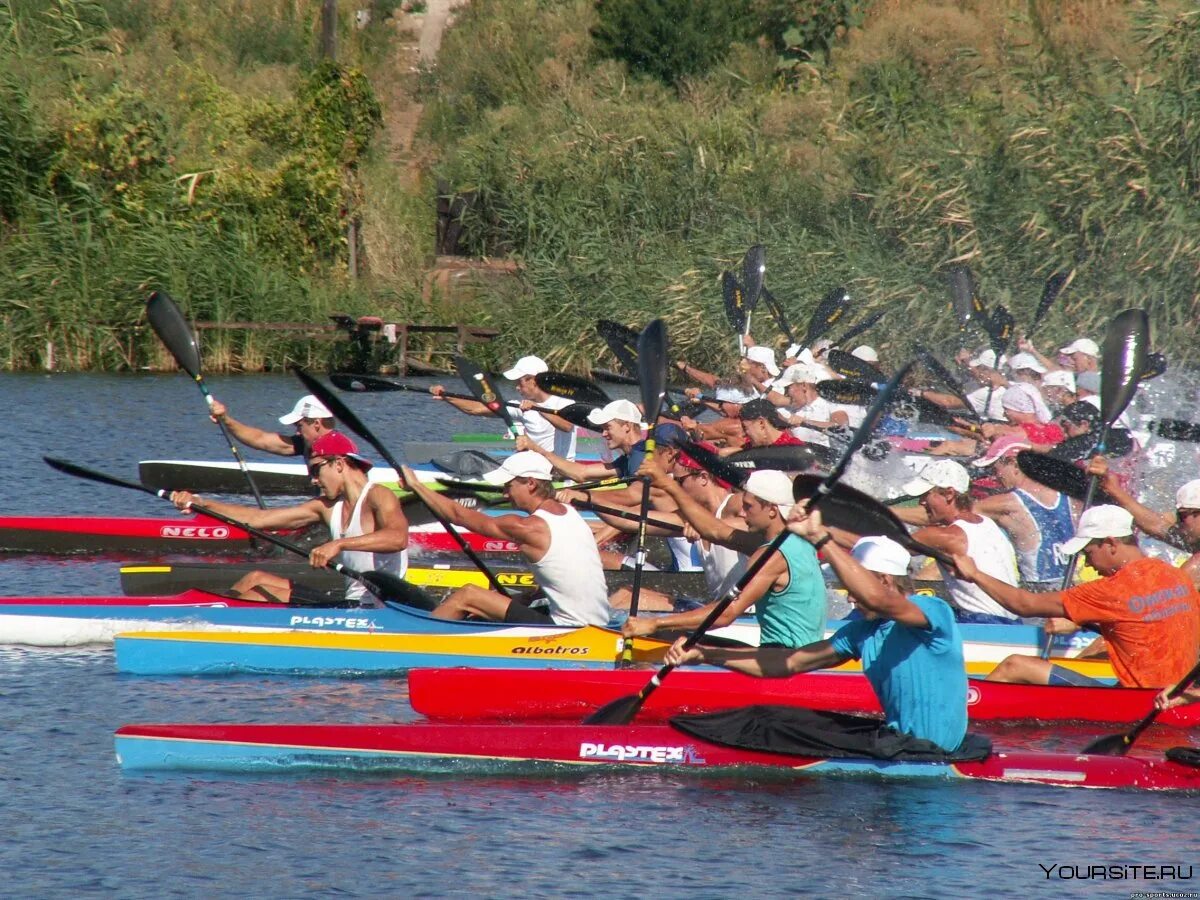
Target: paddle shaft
<point x="625" y="515"/>
<point x="346" y="415"/>
<point x="481" y="386"/>
<point x="1135" y="732"/>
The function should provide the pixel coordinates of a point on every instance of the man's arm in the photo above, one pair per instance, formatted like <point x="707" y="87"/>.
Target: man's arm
<point x="1014" y="599"/>
<point x="272" y="519"/>
<point x="1159" y="525"/>
<point x="712" y="529"/>
<point x="576" y="471"/>
<point x="267" y="441"/>
<point x="761" y="662"/>
<point x="470" y="407"/>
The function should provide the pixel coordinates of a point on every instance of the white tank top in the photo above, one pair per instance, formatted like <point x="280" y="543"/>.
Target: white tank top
<point x="722" y="566"/>
<point x="363" y="560"/>
<point x="539" y="430"/>
<point x="993" y="553"/>
<point x="570" y="573"/>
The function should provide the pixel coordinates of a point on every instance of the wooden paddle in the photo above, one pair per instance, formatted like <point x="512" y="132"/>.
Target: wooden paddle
<point x="652" y="375"/>
<point x="383" y="585"/>
<point x="345" y="415"/>
<point x="1122" y="362"/>
<point x="172" y="329"/>
<point x="623" y="710"/>
<point x="1119" y="744"/>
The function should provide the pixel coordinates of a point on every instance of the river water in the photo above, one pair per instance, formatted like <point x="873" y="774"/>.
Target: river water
<point x="74" y="825"/>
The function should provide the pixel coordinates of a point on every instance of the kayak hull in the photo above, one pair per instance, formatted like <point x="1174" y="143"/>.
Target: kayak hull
<point x="311" y="654"/>
<point x="562" y="749"/>
<point x="508" y="695"/>
<point x="104" y="534"/>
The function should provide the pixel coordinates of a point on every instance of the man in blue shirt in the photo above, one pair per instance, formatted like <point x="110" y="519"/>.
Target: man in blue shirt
<point x="909" y="644"/>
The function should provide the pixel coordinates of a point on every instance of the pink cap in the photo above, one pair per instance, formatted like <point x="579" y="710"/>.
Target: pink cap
<point x="334" y="443"/>
<point x="1007" y="445"/>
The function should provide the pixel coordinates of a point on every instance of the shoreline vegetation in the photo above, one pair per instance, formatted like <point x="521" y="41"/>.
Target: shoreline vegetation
<point x="203" y="149"/>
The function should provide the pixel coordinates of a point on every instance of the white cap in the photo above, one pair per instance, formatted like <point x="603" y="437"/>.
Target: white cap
<point x="793" y="350"/>
<point x="771" y="486"/>
<point x="527" y="365"/>
<point x="1026" y="361"/>
<point x="625" y="410"/>
<point x="1086" y="346"/>
<point x="945" y="473"/>
<point x="882" y="554"/>
<point x="1099" y="522"/>
<point x="766" y="356"/>
<point x="1059" y="378"/>
<point x="307" y="407"/>
<point x="734" y="395"/>
<point x="797" y="374"/>
<point x="1188" y="496"/>
<point x="986" y="360"/>
<point x="1019" y="398"/>
<point x="865" y="353"/>
<point x="525" y="464"/>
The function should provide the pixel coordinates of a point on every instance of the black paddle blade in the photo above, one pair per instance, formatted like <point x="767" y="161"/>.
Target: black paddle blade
<point x="1000" y="330"/>
<point x="69" y="468"/>
<point x="967" y="305"/>
<point x="368" y="383"/>
<point x="847" y="390"/>
<point x="754" y="266"/>
<point x="776" y="311"/>
<point x="714" y="464"/>
<point x="392" y="589"/>
<point x="1109" y="745"/>
<point x="735" y="302"/>
<point x="952" y="384"/>
<point x="828" y="313"/>
<point x="1156" y="364"/>
<point x="652" y="368"/>
<point x="852" y="367"/>
<point x="617" y="712"/>
<point x="1123" y="361"/>
<point x="577" y="414"/>
<point x="622" y="343"/>
<point x="1050" y="291"/>
<point x="1065" y="477"/>
<point x="172" y="329"/>
<point x="1177" y="430"/>
<point x="483" y="389"/>
<point x="787" y="458"/>
<point x="858" y="328"/>
<point x="573" y="387"/>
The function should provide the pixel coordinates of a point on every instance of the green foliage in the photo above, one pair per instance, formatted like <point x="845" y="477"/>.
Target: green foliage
<point x="338" y="113"/>
<point x="669" y="39"/>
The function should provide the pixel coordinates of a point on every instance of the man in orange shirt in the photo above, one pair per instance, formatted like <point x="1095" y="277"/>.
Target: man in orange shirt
<point x="1147" y="611"/>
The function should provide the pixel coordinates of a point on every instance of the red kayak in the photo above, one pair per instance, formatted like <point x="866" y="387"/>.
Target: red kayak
<point x="513" y="694"/>
<point x="560" y="748"/>
<point x="184" y="598"/>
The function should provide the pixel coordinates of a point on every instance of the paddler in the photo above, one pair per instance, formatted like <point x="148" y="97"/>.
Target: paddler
<point x="1147" y="611"/>
<point x="909" y="643"/>
<point x="310" y="418"/>
<point x="1037" y="519"/>
<point x="788" y="593"/>
<point x="366" y="522"/>
<point x="946" y="509"/>
<point x="552" y="536"/>
<point x="546" y="430"/>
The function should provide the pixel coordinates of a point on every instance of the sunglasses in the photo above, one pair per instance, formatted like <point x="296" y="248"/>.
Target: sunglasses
<point x="314" y="468"/>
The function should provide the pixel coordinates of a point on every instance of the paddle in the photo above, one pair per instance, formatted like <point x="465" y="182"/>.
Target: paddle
<point x="622" y="343"/>
<point x="776" y="311"/>
<point x="828" y="313"/>
<point x="855" y="330"/>
<point x="626" y="516"/>
<point x="573" y="387"/>
<point x="787" y="457"/>
<point x="652" y="375"/>
<point x="934" y="365"/>
<point x="383" y="585"/>
<point x="754" y="266"/>
<point x="967" y="305"/>
<point x="172" y="329"/>
<point x="735" y="307"/>
<point x="1053" y="287"/>
<point x="1119" y="744"/>
<point x="1064" y="477"/>
<point x="622" y="710"/>
<point x="1156" y="364"/>
<point x="851" y="366"/>
<point x="484" y="487"/>
<point x="344" y="414"/>
<point x="1122" y="362"/>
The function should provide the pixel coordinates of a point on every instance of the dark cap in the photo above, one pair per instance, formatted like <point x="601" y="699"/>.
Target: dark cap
<point x="763" y="409"/>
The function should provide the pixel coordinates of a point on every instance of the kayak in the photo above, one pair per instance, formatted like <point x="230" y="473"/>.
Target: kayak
<point x="75" y="621"/>
<point x="344" y="653"/>
<point x="172" y="576"/>
<point x="183" y="653"/>
<point x="504" y="694"/>
<point x="103" y="534"/>
<point x="560" y="749"/>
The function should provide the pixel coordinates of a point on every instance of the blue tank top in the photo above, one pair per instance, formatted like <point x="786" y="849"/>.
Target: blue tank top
<point x="1054" y="526"/>
<point x="795" y="616"/>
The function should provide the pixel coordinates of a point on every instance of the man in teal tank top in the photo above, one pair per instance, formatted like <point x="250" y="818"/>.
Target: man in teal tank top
<point x="910" y="645"/>
<point x="788" y="593"/>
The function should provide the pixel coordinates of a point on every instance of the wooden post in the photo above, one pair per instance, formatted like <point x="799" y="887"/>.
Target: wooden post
<point x="352" y="243"/>
<point x="329" y="29"/>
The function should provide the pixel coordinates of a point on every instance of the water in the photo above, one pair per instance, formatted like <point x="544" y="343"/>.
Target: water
<point x="74" y="825"/>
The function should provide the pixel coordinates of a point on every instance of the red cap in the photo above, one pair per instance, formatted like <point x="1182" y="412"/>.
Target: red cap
<point x="334" y="443"/>
<point x="688" y="463"/>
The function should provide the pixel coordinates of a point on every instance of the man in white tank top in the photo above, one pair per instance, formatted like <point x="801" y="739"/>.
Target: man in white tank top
<point x="552" y="536"/>
<point x="955" y="528"/>
<point x="550" y="432"/>
<point x="365" y="520"/>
